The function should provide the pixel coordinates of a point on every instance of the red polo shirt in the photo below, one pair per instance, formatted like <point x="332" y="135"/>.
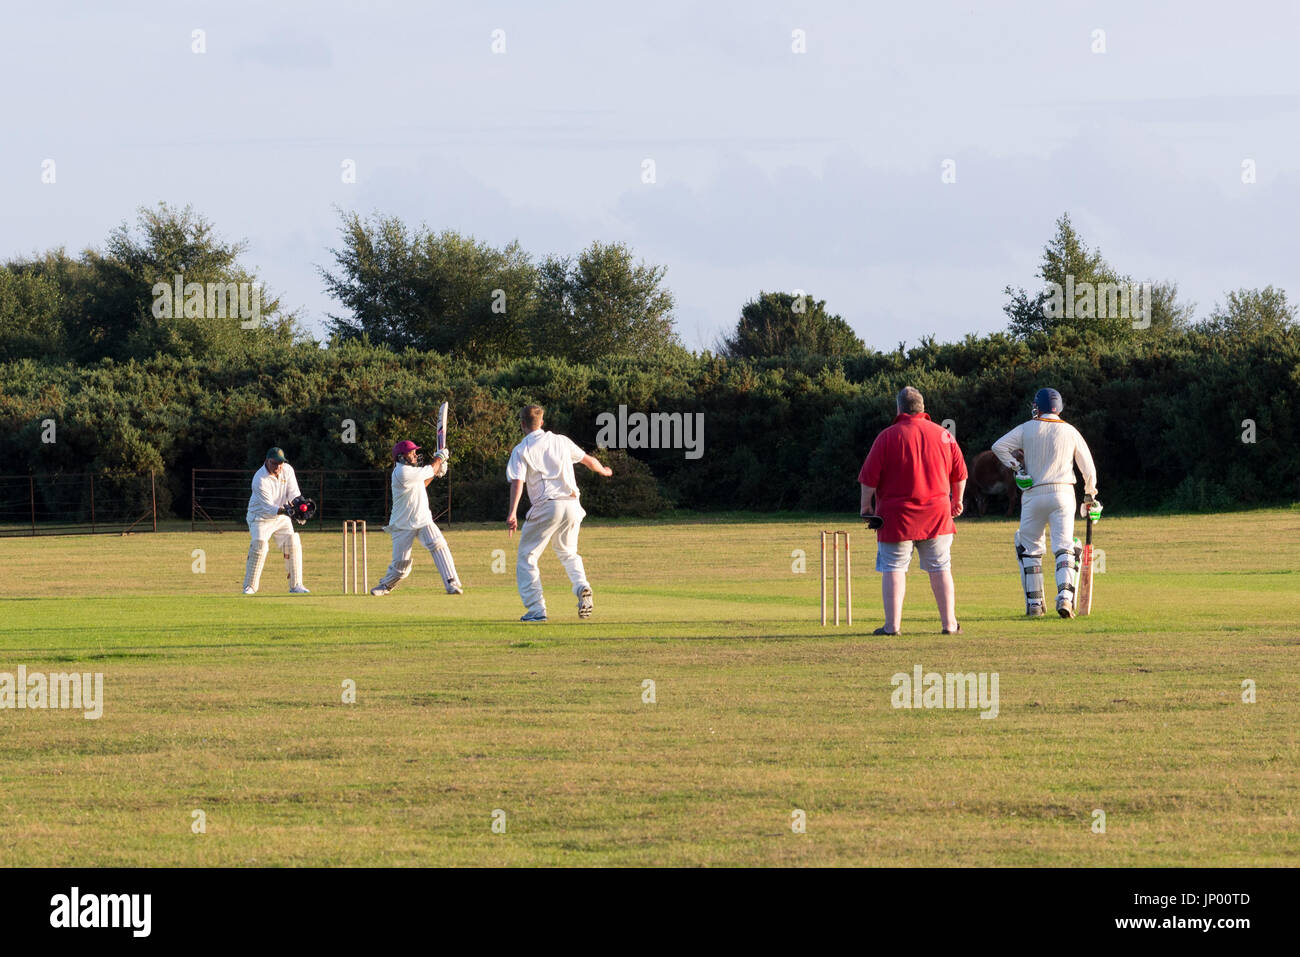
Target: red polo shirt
<point x="912" y="466"/>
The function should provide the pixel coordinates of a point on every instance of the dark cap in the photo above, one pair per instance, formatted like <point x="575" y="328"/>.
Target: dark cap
<point x="1048" y="400"/>
<point x="275" y="453"/>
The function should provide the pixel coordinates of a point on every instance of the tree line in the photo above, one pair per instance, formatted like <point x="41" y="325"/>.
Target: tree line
<point x="1180" y="413"/>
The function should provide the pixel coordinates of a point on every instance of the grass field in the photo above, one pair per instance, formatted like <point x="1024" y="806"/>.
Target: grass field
<point x="233" y="706"/>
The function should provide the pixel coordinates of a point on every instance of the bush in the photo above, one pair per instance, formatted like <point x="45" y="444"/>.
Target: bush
<point x="1168" y="418"/>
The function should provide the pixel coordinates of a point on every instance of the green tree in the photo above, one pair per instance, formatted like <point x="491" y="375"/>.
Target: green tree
<point x="602" y="303"/>
<point x="1246" y="313"/>
<point x="782" y="324"/>
<point x="1082" y="292"/>
<point x="1168" y="313"/>
<point x="30" y="323"/>
<point x="433" y="291"/>
<point x="170" y="244"/>
<point x="108" y="300"/>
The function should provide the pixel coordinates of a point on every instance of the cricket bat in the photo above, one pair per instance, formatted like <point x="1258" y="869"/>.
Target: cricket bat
<point x="1083" y="590"/>
<point x="442" y="427"/>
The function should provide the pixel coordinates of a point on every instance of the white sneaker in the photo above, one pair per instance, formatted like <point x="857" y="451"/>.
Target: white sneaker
<point x="455" y="588"/>
<point x="585" y="605"/>
<point x="250" y="590"/>
<point x="299" y="590"/>
<point x="379" y="592"/>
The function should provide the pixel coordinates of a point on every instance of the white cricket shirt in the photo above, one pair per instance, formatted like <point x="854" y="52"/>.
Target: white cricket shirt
<point x="1052" y="448"/>
<point x="410" y="502"/>
<point x="272" y="492"/>
<point x="544" y="461"/>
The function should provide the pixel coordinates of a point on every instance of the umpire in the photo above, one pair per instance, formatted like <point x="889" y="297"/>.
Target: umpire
<point x="913" y="480"/>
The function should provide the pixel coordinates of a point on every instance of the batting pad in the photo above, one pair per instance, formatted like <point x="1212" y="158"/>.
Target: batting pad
<point x="293" y="561"/>
<point x="253" y="566"/>
<point x="396" y="573"/>
<point x="446" y="566"/>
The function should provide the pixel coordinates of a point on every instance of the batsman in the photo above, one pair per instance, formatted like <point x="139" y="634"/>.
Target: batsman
<point x="411" y="518"/>
<point x="1050" y="447"/>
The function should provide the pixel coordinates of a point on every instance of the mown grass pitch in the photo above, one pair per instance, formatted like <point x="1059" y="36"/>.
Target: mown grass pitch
<point x="233" y="706"/>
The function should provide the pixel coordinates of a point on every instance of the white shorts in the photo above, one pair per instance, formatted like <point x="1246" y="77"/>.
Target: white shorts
<point x="896" y="556"/>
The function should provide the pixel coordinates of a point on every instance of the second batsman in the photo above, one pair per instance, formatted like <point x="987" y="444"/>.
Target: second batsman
<point x="1051" y="448"/>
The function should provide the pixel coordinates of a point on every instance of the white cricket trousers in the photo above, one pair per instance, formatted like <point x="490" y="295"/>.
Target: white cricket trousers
<point x="404" y="539"/>
<point x="279" y="529"/>
<point x="1049" y="509"/>
<point x="557" y="521"/>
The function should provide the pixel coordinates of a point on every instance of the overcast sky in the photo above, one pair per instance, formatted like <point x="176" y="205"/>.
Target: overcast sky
<point x="774" y="170"/>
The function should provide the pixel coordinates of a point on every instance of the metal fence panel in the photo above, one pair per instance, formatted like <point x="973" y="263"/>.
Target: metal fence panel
<point x="71" y="503"/>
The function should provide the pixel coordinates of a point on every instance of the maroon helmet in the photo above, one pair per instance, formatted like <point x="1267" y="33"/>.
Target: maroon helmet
<point x="402" y="447"/>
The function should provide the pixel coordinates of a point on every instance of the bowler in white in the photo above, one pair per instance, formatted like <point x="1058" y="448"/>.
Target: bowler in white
<point x="544" y="462"/>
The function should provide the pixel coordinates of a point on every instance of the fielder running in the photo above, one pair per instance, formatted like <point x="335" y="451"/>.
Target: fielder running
<point x="411" y="519"/>
<point x="1051" y="448"/>
<point x="544" y="461"/>
<point x="274" y="487"/>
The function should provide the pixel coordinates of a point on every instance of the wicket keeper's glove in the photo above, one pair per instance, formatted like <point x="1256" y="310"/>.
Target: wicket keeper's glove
<point x="300" y="509"/>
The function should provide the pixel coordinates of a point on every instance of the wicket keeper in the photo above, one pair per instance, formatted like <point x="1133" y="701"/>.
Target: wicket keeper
<point x="275" y="486"/>
<point x="1051" y="448"/>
